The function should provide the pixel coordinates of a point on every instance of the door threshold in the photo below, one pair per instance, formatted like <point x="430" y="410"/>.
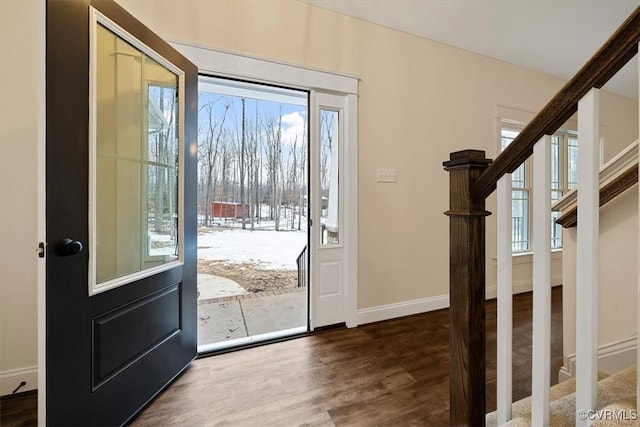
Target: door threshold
<point x="252" y="341"/>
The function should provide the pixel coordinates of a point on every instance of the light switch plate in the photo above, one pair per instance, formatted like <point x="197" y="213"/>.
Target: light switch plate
<point x="386" y="175"/>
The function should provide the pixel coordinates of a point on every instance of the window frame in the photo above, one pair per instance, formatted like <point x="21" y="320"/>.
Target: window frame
<point x="564" y="135"/>
<point x="97" y="19"/>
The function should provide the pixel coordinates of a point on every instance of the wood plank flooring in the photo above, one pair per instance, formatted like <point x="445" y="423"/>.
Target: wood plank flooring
<point x="20" y="410"/>
<point x="392" y="373"/>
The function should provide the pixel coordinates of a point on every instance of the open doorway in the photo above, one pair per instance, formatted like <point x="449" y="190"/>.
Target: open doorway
<point x="252" y="213"/>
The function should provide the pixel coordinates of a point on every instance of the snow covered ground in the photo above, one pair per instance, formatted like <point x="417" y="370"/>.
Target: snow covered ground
<point x="265" y="249"/>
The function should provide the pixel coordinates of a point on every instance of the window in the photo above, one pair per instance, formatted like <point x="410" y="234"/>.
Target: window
<point x="329" y="176"/>
<point x="564" y="177"/>
<point x="134" y="163"/>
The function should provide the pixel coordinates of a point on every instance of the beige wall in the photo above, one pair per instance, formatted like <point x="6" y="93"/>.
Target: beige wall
<point x="21" y="135"/>
<point x="619" y="123"/>
<point x="419" y="100"/>
<point x="617" y="275"/>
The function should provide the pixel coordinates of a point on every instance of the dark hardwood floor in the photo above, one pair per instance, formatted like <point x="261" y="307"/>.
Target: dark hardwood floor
<point x="392" y="373"/>
<point x="20" y="410"/>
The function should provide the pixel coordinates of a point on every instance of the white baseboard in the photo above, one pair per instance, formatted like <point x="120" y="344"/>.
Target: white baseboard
<point x="564" y="374"/>
<point x="10" y="380"/>
<point x="423" y="305"/>
<point x="518" y="288"/>
<point x="612" y="357"/>
<point x="522" y="286"/>
<point x="407" y="308"/>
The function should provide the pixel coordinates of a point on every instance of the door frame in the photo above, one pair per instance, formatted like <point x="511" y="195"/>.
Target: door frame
<point x="219" y="63"/>
<point x="38" y="18"/>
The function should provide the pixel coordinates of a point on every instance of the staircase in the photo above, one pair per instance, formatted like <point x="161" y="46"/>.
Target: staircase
<point x="616" y="403"/>
<point x="473" y="178"/>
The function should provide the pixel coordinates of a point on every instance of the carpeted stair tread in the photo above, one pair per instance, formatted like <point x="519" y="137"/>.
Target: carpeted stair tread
<point x="617" y="391"/>
<point x="522" y="407"/>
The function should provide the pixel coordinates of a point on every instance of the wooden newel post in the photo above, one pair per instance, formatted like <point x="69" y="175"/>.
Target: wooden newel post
<point x="467" y="289"/>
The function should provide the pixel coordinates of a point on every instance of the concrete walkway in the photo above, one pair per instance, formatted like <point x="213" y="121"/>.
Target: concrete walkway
<point x="214" y="287"/>
<point x="223" y="316"/>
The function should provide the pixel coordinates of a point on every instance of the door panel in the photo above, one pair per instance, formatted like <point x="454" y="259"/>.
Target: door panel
<point x="329" y="278"/>
<point x="116" y="346"/>
<point x="108" y="354"/>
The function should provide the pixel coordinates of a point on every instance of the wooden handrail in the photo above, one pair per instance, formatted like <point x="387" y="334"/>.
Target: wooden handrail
<point x="607" y="193"/>
<point x="606" y="62"/>
<point x="616" y="176"/>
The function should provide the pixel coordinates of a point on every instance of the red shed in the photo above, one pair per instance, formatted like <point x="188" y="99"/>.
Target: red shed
<point x="229" y="210"/>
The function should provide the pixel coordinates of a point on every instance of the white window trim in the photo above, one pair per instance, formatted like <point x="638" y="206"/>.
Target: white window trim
<point x="221" y="63"/>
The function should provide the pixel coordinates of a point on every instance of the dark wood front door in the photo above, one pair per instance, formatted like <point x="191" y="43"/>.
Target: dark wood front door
<point x="121" y="220"/>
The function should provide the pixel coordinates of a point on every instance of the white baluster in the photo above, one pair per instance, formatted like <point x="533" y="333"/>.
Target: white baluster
<point x="638" y="297"/>
<point x="505" y="300"/>
<point x="587" y="255"/>
<point x="541" y="352"/>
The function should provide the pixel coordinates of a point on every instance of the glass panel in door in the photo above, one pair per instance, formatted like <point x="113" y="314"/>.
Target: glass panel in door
<point x="135" y="197"/>
<point x="329" y="177"/>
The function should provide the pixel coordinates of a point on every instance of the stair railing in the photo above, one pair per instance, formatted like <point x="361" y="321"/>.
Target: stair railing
<point x="616" y="176"/>
<point x="473" y="178"/>
<point x="302" y="261"/>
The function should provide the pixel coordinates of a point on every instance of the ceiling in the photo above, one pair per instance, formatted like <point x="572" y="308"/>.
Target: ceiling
<point x="553" y="36"/>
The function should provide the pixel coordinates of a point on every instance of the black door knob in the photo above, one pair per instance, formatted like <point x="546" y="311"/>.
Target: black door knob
<point x="66" y="247"/>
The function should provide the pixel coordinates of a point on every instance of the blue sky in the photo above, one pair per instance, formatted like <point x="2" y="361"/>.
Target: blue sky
<point x="294" y="116"/>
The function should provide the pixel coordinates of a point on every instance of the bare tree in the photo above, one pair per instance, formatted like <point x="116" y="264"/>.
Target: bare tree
<point x="164" y="144"/>
<point x="242" y="170"/>
<point x="273" y="146"/>
<point x="301" y="176"/>
<point x="326" y="137"/>
<point x="252" y="169"/>
<point x="303" y="180"/>
<point x="278" y="168"/>
<point x="209" y="148"/>
<point x="293" y="180"/>
<point x="257" y="169"/>
<point x="226" y="152"/>
<point x="245" y="160"/>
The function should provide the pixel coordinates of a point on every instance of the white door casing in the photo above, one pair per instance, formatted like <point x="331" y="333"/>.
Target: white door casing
<point x="333" y="270"/>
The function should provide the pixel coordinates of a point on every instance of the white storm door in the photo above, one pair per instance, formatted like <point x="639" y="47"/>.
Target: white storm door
<point x="328" y="237"/>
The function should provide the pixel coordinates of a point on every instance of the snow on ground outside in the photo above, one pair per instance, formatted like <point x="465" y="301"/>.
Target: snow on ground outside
<point x="161" y="244"/>
<point x="265" y="249"/>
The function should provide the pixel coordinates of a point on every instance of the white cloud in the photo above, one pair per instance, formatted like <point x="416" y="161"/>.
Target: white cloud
<point x="293" y="127"/>
<point x="293" y="119"/>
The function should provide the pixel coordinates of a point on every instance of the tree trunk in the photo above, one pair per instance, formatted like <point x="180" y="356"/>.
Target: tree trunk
<point x="242" y="170"/>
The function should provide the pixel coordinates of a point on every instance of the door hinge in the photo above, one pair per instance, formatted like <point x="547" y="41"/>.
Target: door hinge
<point x="310" y="222"/>
<point x="41" y="251"/>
